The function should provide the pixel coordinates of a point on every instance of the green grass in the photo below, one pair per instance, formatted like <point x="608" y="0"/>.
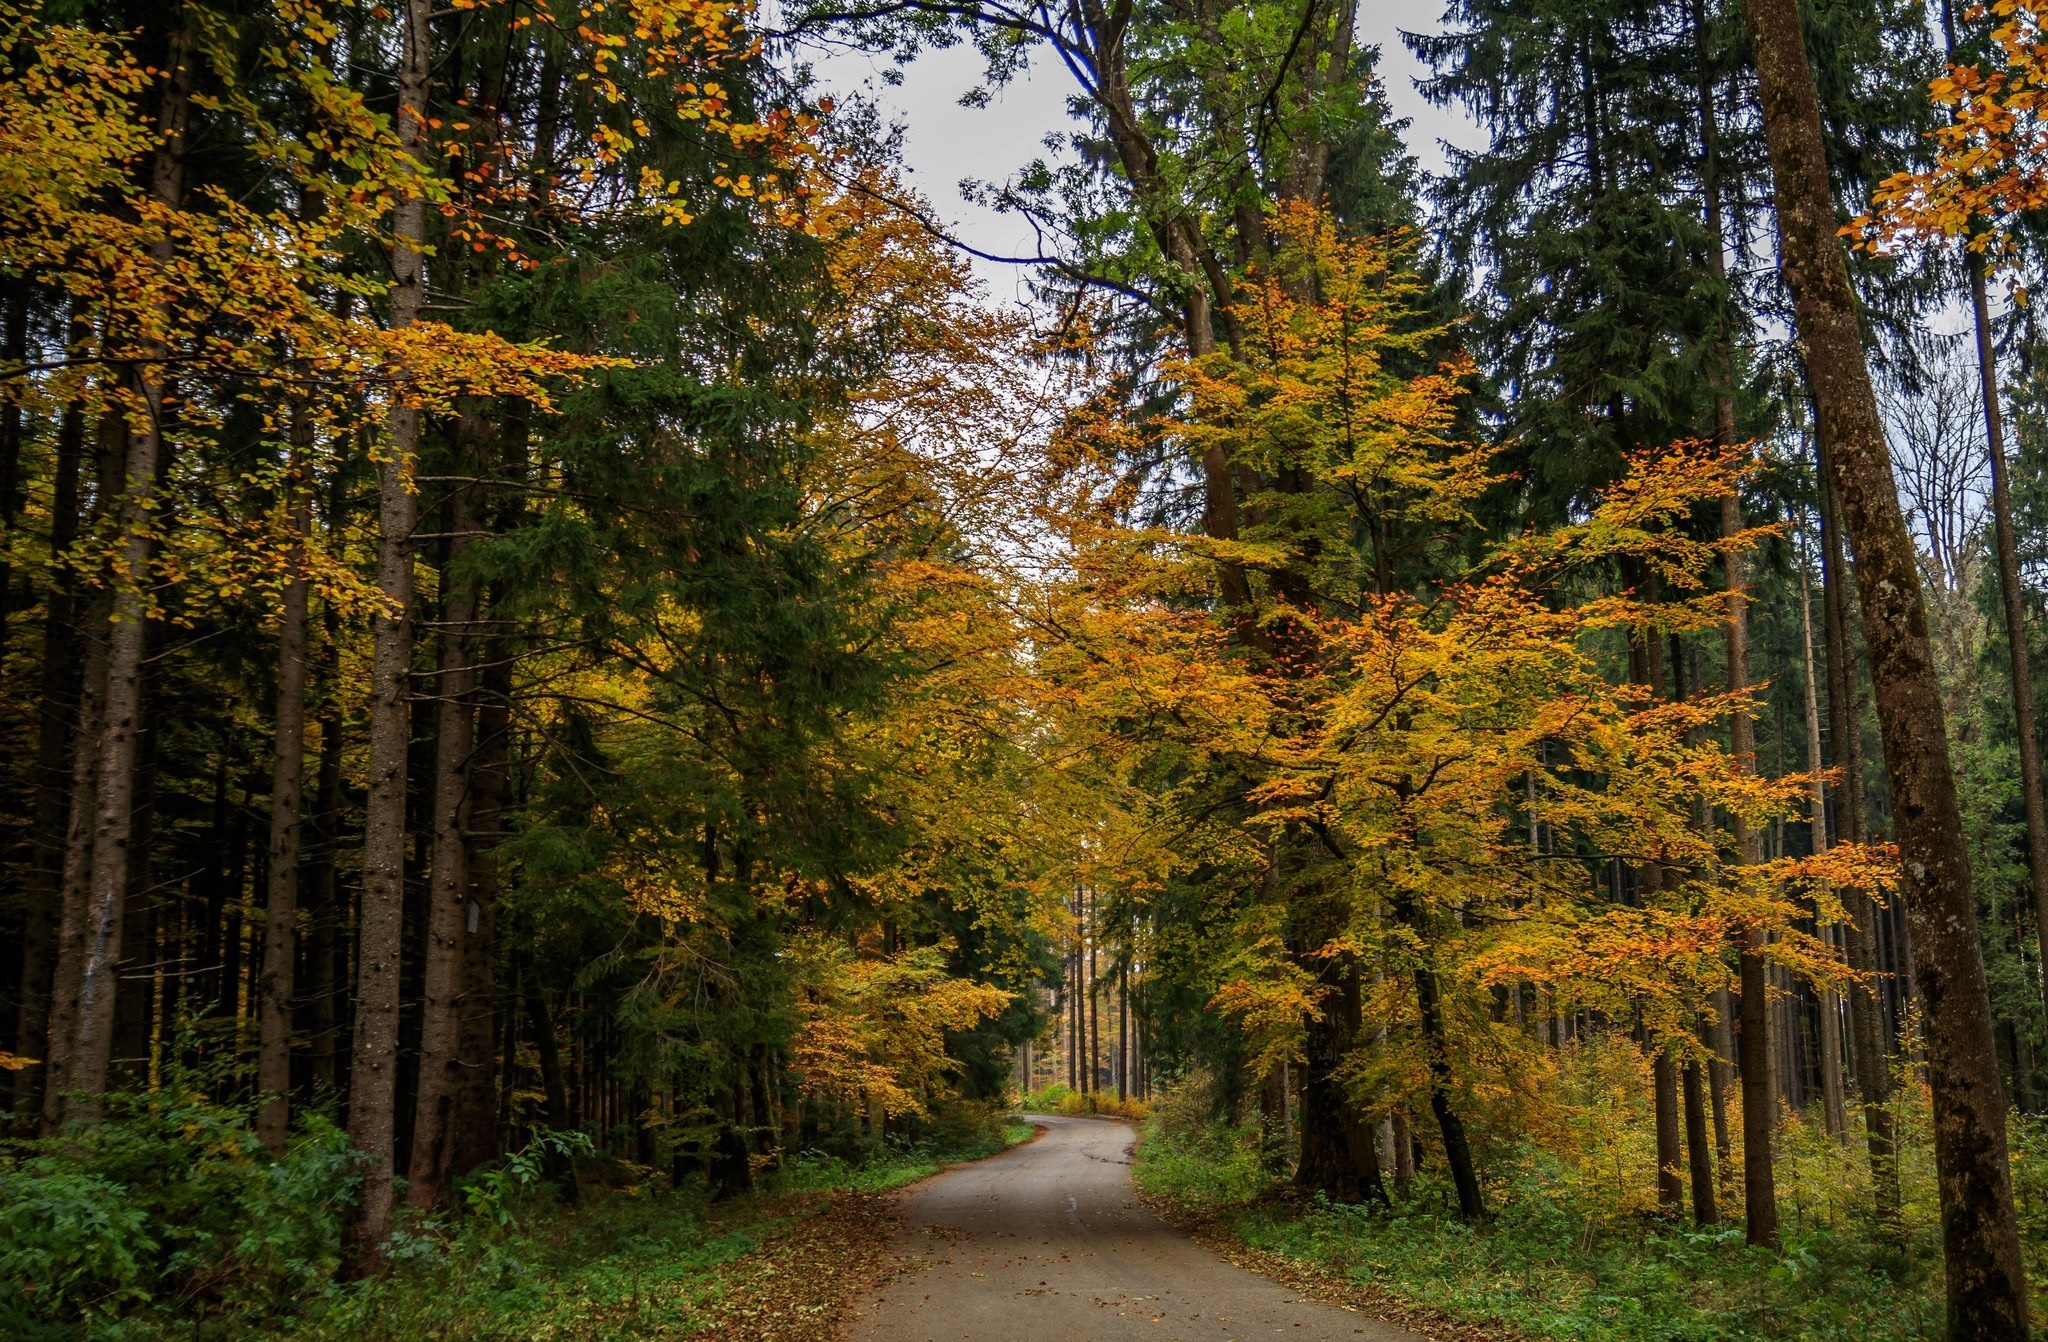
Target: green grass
<point x="623" y="1265"/>
<point x="1555" y="1267"/>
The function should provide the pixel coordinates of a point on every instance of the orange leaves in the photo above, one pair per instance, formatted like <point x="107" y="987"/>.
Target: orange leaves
<point x="1991" y="159"/>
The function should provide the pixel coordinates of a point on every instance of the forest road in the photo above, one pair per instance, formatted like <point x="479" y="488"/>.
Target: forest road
<point x="1048" y="1243"/>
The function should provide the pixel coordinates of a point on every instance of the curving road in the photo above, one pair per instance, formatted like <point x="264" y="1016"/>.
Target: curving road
<point x="1048" y="1243"/>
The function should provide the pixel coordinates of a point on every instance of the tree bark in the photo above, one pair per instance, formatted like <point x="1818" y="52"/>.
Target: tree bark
<point x="1337" y="1155"/>
<point x="1706" y="1208"/>
<point x="1868" y="1037"/>
<point x="373" y="1064"/>
<point x="1457" y="1149"/>
<point x="121" y="709"/>
<point x="440" y="1078"/>
<point x="276" y="988"/>
<point x="1670" y="1159"/>
<point x="76" y="874"/>
<point x="57" y="708"/>
<point x="1986" y="1287"/>
<point x="1833" y="1104"/>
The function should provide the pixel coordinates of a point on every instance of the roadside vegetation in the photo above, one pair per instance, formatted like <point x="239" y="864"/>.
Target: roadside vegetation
<point x="169" y="1220"/>
<point x="1573" y="1252"/>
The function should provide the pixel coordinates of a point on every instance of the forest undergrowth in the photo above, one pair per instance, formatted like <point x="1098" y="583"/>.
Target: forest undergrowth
<point x="170" y="1220"/>
<point x="1575" y="1250"/>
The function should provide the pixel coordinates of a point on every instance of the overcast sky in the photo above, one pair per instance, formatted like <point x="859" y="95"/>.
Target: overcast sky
<point x="945" y="143"/>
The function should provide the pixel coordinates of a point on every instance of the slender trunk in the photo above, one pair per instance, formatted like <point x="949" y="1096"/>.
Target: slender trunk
<point x="73" y="879"/>
<point x="1833" y="1106"/>
<point x="13" y="355"/>
<point x="1868" y="1036"/>
<point x="1706" y="1209"/>
<point x="1986" y="1286"/>
<point x="440" y="1074"/>
<point x="1759" y="1193"/>
<point x="276" y="988"/>
<point x="1092" y="1007"/>
<point x="1759" y="1190"/>
<point x="121" y="709"/>
<point x="477" y="1126"/>
<point x="57" y="707"/>
<point x="1670" y="1159"/>
<point x="2012" y="597"/>
<point x="1404" y="1151"/>
<point x="373" y="1066"/>
<point x="327" y="953"/>
<point x="1457" y="1150"/>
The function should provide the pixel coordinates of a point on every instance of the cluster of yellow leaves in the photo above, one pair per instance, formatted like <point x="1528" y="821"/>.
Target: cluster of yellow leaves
<point x="873" y="1029"/>
<point x="1991" y="159"/>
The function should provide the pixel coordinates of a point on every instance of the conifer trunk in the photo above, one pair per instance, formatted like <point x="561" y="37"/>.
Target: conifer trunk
<point x="1706" y="1208"/>
<point x="57" y="709"/>
<point x="373" y="1065"/>
<point x="1986" y="1281"/>
<point x="77" y="868"/>
<point x="1867" y="1034"/>
<point x="440" y="1076"/>
<point x="1833" y="1101"/>
<point x="107" y="886"/>
<point x="277" y="986"/>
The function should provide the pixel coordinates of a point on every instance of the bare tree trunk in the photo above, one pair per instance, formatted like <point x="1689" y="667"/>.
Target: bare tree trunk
<point x="1706" y="1208"/>
<point x="1670" y="1159"/>
<point x="326" y="955"/>
<point x="440" y="1077"/>
<point x="1867" y="1033"/>
<point x="276" y="988"/>
<point x="56" y="722"/>
<point x="77" y="870"/>
<point x="1987" y="1287"/>
<point x="1759" y="1189"/>
<point x="1833" y="1104"/>
<point x="121" y="709"/>
<point x="477" y="1125"/>
<point x="373" y="1065"/>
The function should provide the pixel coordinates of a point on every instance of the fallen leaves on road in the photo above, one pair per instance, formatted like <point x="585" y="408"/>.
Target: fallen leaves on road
<point x="799" y="1285"/>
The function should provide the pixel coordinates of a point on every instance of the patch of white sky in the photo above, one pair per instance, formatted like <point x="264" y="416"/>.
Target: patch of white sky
<point x="945" y="144"/>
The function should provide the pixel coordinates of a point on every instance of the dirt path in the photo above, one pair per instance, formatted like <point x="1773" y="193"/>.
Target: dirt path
<point x="1049" y="1244"/>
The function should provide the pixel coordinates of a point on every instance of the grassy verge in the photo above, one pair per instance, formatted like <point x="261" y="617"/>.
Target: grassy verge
<point x="780" y="1264"/>
<point x="1547" y="1267"/>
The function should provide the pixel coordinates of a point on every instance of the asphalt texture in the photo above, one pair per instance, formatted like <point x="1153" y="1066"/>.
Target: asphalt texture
<point x="1048" y="1243"/>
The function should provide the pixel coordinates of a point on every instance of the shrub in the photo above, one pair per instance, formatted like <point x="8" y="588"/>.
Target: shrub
<point x="169" y="1203"/>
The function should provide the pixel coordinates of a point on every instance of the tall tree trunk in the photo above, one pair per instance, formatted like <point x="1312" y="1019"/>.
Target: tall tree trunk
<point x="57" y="708"/>
<point x="1833" y="1102"/>
<point x="1337" y="1155"/>
<point x="1670" y="1158"/>
<point x="1868" y="1037"/>
<point x="1706" y="1209"/>
<point x="276" y="988"/>
<point x="440" y="1077"/>
<point x="477" y="1126"/>
<point x="121" y="709"/>
<point x="1436" y="1047"/>
<point x="327" y="953"/>
<point x="74" y="879"/>
<point x="1987" y="1287"/>
<point x="13" y="355"/>
<point x="373" y="1066"/>
<point x="1759" y="1190"/>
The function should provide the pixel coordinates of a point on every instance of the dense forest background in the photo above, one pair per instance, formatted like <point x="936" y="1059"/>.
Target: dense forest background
<point x="554" y="640"/>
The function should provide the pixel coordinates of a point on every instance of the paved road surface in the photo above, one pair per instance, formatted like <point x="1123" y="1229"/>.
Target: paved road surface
<point x="1049" y="1244"/>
